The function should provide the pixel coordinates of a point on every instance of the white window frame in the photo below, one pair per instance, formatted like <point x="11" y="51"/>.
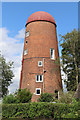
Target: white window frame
<point x="38" y="89"/>
<point x="27" y="34"/>
<point x="39" y="78"/>
<point x="53" y="55"/>
<point x="25" y="51"/>
<point x="38" y="63"/>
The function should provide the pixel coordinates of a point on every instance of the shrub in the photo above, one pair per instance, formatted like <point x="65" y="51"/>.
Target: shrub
<point x="23" y="95"/>
<point x="20" y="96"/>
<point x="10" y="99"/>
<point x="66" y="97"/>
<point x="41" y="110"/>
<point x="46" y="97"/>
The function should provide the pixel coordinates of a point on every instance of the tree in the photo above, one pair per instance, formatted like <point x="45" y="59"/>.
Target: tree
<point x="23" y="95"/>
<point x="6" y="75"/>
<point x="70" y="58"/>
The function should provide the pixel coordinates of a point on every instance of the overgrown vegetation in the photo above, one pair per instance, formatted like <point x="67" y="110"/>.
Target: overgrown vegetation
<point x="41" y="110"/>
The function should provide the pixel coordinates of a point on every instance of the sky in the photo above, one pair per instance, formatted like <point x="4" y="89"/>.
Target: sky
<point x="12" y="29"/>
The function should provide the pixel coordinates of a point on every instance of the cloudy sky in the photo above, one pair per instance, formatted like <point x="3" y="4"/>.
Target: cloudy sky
<point x="12" y="29"/>
<point x="11" y="48"/>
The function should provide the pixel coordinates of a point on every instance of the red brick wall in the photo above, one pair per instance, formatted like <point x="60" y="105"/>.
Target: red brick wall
<point x="42" y="37"/>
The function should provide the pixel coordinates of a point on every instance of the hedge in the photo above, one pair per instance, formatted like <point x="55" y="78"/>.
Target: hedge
<point x="40" y="110"/>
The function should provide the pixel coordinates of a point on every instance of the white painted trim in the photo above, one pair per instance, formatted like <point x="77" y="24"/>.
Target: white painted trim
<point x="39" y="78"/>
<point x="38" y="89"/>
<point x="27" y="34"/>
<point x="25" y="51"/>
<point x="53" y="58"/>
<point x="38" y="63"/>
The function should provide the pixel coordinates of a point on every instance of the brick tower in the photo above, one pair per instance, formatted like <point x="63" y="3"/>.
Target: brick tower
<point x="39" y="72"/>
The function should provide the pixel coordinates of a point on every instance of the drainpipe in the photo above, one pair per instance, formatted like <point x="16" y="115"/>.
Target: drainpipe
<point x="43" y="75"/>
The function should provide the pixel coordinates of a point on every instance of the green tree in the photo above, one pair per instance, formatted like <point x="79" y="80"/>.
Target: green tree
<point x="46" y="97"/>
<point x="6" y="75"/>
<point x="70" y="44"/>
<point x="23" y="95"/>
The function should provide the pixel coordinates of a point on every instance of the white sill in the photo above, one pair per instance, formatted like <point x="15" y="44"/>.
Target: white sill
<point x="27" y="36"/>
<point x="39" y="65"/>
<point x="39" y="81"/>
<point x="52" y="59"/>
<point x="25" y="54"/>
<point x="38" y="94"/>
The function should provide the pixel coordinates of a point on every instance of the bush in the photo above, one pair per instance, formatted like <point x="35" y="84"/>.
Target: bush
<point x="46" y="97"/>
<point x="20" y="96"/>
<point x="41" y="110"/>
<point x="23" y="95"/>
<point x="10" y="99"/>
<point x="66" y="97"/>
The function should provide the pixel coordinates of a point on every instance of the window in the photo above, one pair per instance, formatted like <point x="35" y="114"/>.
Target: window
<point x="25" y="52"/>
<point x="52" y="53"/>
<point x="27" y="33"/>
<point x="39" y="63"/>
<point x="39" y="78"/>
<point x="26" y="41"/>
<point x="38" y="91"/>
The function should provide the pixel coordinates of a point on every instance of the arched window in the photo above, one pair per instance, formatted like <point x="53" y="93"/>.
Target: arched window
<point x="52" y="53"/>
<point x="27" y="33"/>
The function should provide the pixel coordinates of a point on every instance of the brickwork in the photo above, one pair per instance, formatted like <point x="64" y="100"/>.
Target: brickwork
<point x="42" y="37"/>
